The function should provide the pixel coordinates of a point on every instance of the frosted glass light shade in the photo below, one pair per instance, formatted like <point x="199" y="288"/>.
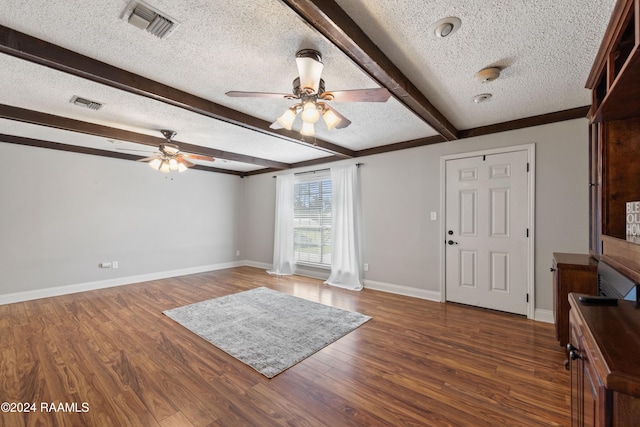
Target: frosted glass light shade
<point x="308" y="129"/>
<point x="310" y="113"/>
<point x="287" y="118"/>
<point x="173" y="164"/>
<point x="331" y="119"/>
<point x="165" y="167"/>
<point x="155" y="164"/>
<point x="181" y="167"/>
<point x="309" y="71"/>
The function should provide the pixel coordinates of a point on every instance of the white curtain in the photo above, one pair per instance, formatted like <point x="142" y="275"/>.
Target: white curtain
<point x="283" y="262"/>
<point x="345" y="228"/>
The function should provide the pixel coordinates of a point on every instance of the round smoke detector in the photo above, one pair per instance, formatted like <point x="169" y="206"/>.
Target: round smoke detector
<point x="487" y="75"/>
<point x="445" y="27"/>
<point x="482" y="98"/>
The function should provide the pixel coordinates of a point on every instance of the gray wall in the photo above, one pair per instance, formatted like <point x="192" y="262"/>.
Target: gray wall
<point x="400" y="189"/>
<point x="61" y="214"/>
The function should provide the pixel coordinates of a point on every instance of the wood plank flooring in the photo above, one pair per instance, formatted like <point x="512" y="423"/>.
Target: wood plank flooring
<point x="416" y="363"/>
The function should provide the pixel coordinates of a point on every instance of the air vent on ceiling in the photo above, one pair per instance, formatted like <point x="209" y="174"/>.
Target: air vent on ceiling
<point x="146" y="17"/>
<point x="83" y="102"/>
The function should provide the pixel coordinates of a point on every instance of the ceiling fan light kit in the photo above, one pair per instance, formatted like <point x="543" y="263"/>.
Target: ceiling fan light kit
<point x="308" y="129"/>
<point x="170" y="158"/>
<point x="309" y="89"/>
<point x="155" y="164"/>
<point x="310" y="113"/>
<point x="331" y="119"/>
<point x="310" y="68"/>
<point x="287" y="118"/>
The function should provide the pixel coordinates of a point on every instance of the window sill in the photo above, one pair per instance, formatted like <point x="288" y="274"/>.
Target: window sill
<point x="313" y="265"/>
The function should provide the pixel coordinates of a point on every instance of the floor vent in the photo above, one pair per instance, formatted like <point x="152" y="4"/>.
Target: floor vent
<point x="146" y="17"/>
<point x="83" y="102"/>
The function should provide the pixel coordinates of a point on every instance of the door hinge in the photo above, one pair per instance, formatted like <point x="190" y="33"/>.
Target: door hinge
<point x="527" y="297"/>
<point x="527" y="166"/>
<point x="527" y="232"/>
<point x="484" y="158"/>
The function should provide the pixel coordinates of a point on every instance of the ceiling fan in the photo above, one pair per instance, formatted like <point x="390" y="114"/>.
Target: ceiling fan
<point x="170" y="158"/>
<point x="309" y="90"/>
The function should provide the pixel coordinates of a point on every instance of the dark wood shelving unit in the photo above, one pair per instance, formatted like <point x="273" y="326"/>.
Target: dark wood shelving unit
<point x="605" y="340"/>
<point x="615" y="139"/>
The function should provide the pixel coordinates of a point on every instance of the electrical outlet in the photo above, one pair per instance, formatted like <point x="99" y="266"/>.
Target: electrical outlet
<point x="366" y="266"/>
<point x="114" y="264"/>
<point x="434" y="216"/>
<point x="237" y="253"/>
<point x="105" y="265"/>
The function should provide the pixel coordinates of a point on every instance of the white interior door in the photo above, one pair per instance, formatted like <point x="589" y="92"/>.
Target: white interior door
<point x="487" y="231"/>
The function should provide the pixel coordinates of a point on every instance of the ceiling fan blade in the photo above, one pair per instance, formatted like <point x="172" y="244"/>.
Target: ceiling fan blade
<point x="198" y="157"/>
<point x="310" y="68"/>
<point x="240" y="94"/>
<point x="358" y="95"/>
<point x="344" y="122"/>
<point x="146" y="159"/>
<point x="187" y="163"/>
<point x="276" y="125"/>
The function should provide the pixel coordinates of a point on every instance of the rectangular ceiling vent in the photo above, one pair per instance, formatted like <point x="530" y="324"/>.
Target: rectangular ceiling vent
<point x="148" y="18"/>
<point x="83" y="102"/>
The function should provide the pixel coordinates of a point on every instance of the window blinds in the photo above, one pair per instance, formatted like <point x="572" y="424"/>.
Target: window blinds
<point x="312" y="219"/>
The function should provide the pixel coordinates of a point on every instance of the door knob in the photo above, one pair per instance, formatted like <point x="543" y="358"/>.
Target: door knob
<point x="451" y="242"/>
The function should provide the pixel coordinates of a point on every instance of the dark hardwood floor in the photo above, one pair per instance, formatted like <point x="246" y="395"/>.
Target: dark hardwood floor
<point x="416" y="363"/>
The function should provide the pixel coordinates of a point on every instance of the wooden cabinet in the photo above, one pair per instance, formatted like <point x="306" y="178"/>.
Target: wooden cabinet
<point x="604" y="363"/>
<point x="571" y="273"/>
<point x="615" y="139"/>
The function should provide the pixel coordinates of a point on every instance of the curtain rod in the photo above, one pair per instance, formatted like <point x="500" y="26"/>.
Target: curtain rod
<point x="318" y="170"/>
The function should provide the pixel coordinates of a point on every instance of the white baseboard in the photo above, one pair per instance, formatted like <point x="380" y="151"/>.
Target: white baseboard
<point x="402" y="290"/>
<point x="540" y="315"/>
<point x="546" y="316"/>
<point x="119" y="281"/>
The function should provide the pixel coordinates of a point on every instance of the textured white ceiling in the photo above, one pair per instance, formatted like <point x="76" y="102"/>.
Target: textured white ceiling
<point x="545" y="48"/>
<point x="27" y="130"/>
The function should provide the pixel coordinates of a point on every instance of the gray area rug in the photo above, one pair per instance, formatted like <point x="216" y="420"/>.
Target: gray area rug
<point x="266" y="329"/>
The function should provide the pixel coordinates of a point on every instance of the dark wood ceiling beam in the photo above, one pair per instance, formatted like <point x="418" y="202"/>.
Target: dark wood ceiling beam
<point x="64" y="123"/>
<point x="326" y="17"/>
<point x="31" y="142"/>
<point x="26" y="47"/>
<point x="542" y="119"/>
<point x="401" y="146"/>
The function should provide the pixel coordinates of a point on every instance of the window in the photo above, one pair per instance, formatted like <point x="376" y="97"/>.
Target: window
<point x="312" y="219"/>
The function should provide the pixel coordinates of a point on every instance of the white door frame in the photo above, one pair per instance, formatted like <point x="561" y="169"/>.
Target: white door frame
<point x="531" y="188"/>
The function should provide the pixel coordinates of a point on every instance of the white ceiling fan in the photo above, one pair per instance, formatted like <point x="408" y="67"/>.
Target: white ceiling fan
<point x="309" y="90"/>
<point x="170" y="158"/>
